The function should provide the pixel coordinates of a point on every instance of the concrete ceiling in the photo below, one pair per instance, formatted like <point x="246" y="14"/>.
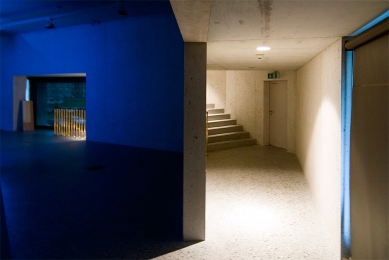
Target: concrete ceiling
<point x="296" y="30"/>
<point x="19" y="16"/>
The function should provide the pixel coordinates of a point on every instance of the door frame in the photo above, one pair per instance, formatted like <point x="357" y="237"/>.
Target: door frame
<point x="266" y="109"/>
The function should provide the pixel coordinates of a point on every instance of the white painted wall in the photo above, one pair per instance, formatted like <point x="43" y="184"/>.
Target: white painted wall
<point x="318" y="132"/>
<point x="245" y="98"/>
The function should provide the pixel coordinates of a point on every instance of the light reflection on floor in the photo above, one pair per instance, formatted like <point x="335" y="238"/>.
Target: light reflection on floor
<point x="258" y="207"/>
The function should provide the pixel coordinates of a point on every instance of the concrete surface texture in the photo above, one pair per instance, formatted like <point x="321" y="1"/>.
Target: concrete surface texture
<point x="318" y="135"/>
<point x="258" y="207"/>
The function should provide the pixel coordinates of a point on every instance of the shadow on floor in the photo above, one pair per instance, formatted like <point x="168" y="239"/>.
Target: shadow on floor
<point x="71" y="199"/>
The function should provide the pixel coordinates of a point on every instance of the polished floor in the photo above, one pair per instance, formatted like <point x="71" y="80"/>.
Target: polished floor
<point x="70" y="199"/>
<point x="258" y="207"/>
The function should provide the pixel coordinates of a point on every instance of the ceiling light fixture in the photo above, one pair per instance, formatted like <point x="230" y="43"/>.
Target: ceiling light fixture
<point x="122" y="10"/>
<point x="263" y="48"/>
<point x="49" y="24"/>
<point x="260" y="56"/>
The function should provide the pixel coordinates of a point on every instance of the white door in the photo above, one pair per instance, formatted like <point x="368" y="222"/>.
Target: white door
<point x="277" y="113"/>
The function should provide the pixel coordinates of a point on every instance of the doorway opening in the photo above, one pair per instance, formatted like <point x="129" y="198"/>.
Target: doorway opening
<point x="275" y="113"/>
<point x="51" y="93"/>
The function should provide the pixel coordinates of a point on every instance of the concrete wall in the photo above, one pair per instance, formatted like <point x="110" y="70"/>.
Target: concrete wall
<point x="19" y="93"/>
<point x="134" y="74"/>
<point x="216" y="88"/>
<point x="194" y="141"/>
<point x="318" y="130"/>
<point x="246" y="100"/>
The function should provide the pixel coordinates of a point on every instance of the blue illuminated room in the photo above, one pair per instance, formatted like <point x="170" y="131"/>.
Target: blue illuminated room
<point x="174" y="129"/>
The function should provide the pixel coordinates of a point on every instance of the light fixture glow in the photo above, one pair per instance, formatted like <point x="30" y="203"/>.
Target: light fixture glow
<point x="263" y="48"/>
<point x="27" y="94"/>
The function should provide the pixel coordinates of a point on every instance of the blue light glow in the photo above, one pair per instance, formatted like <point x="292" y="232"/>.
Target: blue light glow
<point x="27" y="97"/>
<point x="371" y="23"/>
<point x="346" y="126"/>
<point x="347" y="87"/>
<point x="126" y="86"/>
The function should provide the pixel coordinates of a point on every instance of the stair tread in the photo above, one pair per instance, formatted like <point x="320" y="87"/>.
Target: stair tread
<point x="221" y="122"/>
<point x="229" y="133"/>
<point x="216" y="115"/>
<point x="227" y="119"/>
<point x="223" y="126"/>
<point x="213" y="117"/>
<point x="231" y="144"/>
<point x="225" y="133"/>
<point x="233" y="141"/>
<point x="215" y="111"/>
<point x="219" y="114"/>
<point x="228" y="136"/>
<point x="224" y="129"/>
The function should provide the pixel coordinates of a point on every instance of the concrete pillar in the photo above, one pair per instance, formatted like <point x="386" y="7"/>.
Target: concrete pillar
<point x="195" y="62"/>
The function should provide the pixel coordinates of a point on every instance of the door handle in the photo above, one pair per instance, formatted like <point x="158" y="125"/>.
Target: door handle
<point x="271" y="112"/>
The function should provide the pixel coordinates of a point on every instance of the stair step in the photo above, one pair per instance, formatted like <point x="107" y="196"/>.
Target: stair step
<point x="224" y="129"/>
<point x="228" y="136"/>
<point x="230" y="144"/>
<point x="213" y="117"/>
<point x="210" y="106"/>
<point x="222" y="122"/>
<point x="215" y="111"/>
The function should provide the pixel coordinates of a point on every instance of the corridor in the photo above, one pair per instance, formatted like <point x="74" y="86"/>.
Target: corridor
<point x="258" y="207"/>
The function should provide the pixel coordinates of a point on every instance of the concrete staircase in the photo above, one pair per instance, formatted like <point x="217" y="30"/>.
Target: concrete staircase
<point x="223" y="132"/>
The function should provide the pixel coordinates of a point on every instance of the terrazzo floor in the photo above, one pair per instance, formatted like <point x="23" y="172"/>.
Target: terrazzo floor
<point x="258" y="207"/>
<point x="67" y="199"/>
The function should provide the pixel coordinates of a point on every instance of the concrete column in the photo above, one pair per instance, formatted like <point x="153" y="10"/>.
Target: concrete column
<point x="195" y="62"/>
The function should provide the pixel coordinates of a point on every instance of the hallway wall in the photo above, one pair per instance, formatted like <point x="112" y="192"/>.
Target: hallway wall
<point x="318" y="130"/>
<point x="245" y="98"/>
<point x="134" y="74"/>
<point x="216" y="88"/>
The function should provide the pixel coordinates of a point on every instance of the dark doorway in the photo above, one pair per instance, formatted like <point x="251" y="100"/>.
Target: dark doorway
<point x="49" y="93"/>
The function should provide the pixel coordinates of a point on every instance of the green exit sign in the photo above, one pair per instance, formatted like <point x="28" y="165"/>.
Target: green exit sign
<point x="273" y="75"/>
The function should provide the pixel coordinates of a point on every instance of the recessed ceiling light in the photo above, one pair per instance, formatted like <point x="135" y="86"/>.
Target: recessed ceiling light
<point x="263" y="48"/>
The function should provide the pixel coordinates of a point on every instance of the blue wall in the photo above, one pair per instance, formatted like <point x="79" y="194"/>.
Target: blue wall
<point x="134" y="75"/>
